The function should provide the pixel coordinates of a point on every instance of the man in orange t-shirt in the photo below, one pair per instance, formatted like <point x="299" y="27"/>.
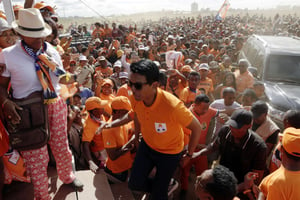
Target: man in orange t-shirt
<point x="160" y="117"/>
<point x="204" y="115"/>
<point x="206" y="83"/>
<point x="3" y="150"/>
<point x="93" y="142"/>
<point x="115" y="140"/>
<point x="189" y="93"/>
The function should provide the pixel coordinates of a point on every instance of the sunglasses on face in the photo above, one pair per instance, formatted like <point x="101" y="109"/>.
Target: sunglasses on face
<point x="137" y="85"/>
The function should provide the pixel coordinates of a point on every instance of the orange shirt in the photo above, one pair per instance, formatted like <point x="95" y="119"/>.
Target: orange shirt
<point x="98" y="33"/>
<point x="207" y="85"/>
<point x="175" y="91"/>
<point x="108" y="32"/>
<point x="106" y="72"/>
<point x="204" y="121"/>
<point x="188" y="96"/>
<point x="124" y="90"/>
<point x="89" y="129"/>
<point x="116" y="138"/>
<point x="162" y="122"/>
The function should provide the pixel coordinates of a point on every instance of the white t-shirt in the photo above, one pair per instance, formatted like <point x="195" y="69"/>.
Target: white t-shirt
<point x="219" y="104"/>
<point x="21" y="70"/>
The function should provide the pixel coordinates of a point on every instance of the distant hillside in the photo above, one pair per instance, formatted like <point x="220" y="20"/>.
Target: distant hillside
<point x="139" y="18"/>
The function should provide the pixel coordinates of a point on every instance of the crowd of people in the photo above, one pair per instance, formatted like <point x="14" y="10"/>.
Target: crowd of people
<point x="146" y="105"/>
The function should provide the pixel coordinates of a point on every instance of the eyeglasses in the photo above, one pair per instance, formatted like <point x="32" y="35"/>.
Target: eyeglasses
<point x="137" y="85"/>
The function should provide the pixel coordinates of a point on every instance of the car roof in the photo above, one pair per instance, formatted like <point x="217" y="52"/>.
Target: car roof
<point x="280" y="43"/>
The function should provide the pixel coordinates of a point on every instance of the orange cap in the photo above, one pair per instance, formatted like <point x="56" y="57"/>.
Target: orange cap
<point x="41" y="5"/>
<point x="186" y="68"/>
<point x="121" y="103"/>
<point x="291" y="141"/>
<point x="94" y="103"/>
<point x="107" y="81"/>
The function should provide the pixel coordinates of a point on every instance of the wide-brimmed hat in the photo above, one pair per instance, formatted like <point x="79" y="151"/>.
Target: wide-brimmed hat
<point x="31" y="24"/>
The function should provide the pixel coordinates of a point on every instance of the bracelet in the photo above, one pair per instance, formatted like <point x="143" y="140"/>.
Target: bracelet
<point x="4" y="102"/>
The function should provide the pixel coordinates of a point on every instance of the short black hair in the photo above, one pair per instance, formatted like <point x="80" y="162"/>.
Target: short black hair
<point x="146" y="68"/>
<point x="293" y="118"/>
<point x="228" y="90"/>
<point x="201" y="98"/>
<point x="194" y="73"/>
<point x="224" y="185"/>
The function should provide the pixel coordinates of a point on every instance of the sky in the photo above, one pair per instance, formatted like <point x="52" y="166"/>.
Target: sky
<point x="88" y="8"/>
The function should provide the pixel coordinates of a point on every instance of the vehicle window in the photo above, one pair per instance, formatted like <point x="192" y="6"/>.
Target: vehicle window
<point x="283" y="68"/>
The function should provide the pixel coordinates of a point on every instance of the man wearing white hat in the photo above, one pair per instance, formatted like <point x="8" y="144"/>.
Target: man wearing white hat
<point x="24" y="63"/>
<point x="84" y="72"/>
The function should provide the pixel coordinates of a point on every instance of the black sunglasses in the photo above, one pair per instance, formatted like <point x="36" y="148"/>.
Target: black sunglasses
<point x="137" y="85"/>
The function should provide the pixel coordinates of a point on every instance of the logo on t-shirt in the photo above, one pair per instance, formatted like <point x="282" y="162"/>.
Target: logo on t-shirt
<point x="160" y="127"/>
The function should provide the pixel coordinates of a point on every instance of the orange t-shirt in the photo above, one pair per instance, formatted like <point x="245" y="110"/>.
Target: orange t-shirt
<point x="207" y="85"/>
<point x="124" y="90"/>
<point x="204" y="121"/>
<point x="177" y="90"/>
<point x="116" y="138"/>
<point x="89" y="129"/>
<point x="162" y="122"/>
<point x="98" y="33"/>
<point x="188" y="96"/>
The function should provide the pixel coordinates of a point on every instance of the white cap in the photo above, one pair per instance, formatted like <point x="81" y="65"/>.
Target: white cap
<point x="203" y="66"/>
<point x="82" y="58"/>
<point x="123" y="75"/>
<point x="118" y="64"/>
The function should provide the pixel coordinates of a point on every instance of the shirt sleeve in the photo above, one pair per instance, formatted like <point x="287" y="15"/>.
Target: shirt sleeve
<point x="183" y="115"/>
<point x="88" y="132"/>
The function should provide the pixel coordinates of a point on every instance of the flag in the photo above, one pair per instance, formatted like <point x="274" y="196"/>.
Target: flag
<point x="223" y="10"/>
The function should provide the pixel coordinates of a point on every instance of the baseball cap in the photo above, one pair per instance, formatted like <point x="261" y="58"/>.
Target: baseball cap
<point x="118" y="64"/>
<point x="291" y="141"/>
<point x="120" y="103"/>
<point x="82" y="58"/>
<point x="94" y="103"/>
<point x="41" y="5"/>
<point x="123" y="75"/>
<point x="240" y="118"/>
<point x="186" y="68"/>
<point x="107" y="81"/>
<point x="258" y="108"/>
<point x="141" y="47"/>
<point x="203" y="66"/>
<point x="101" y="58"/>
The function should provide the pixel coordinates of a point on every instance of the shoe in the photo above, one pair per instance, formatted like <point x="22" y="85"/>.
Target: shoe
<point x="76" y="184"/>
<point x="173" y="185"/>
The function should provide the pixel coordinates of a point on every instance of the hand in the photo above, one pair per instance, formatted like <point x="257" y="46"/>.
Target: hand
<point x="184" y="161"/>
<point x="93" y="167"/>
<point x="104" y="125"/>
<point x="249" y="179"/>
<point x="10" y="111"/>
<point x="223" y="118"/>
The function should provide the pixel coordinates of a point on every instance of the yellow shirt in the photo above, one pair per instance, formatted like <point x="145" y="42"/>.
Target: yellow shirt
<point x="162" y="123"/>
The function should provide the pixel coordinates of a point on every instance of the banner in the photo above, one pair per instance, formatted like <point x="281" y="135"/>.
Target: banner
<point x="223" y="10"/>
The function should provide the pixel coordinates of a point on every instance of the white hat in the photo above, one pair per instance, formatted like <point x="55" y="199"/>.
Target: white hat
<point x="141" y="47"/>
<point x="31" y="24"/>
<point x="4" y="26"/>
<point x="123" y="75"/>
<point x="118" y="64"/>
<point x="82" y="58"/>
<point x="204" y="66"/>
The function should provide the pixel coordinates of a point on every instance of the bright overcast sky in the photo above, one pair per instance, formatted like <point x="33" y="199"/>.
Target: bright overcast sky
<point x="117" y="7"/>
